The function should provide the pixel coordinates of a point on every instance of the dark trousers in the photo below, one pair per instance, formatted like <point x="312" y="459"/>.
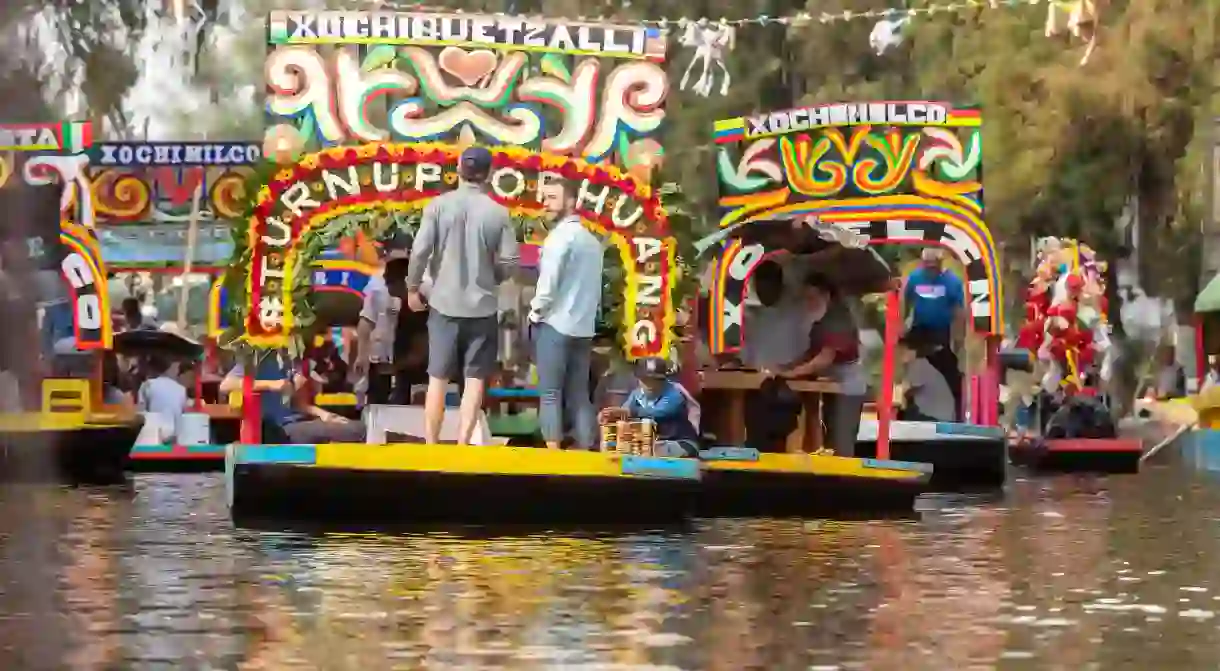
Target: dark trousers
<point x="388" y="386"/>
<point x="944" y="360"/>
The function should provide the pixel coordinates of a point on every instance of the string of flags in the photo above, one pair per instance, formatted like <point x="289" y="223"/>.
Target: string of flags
<point x="798" y="19"/>
<point x="710" y="40"/>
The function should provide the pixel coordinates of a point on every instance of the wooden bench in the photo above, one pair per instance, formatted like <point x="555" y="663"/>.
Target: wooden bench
<point x="724" y="401"/>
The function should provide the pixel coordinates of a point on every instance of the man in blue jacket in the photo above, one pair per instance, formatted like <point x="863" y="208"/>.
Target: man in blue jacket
<point x="935" y="304"/>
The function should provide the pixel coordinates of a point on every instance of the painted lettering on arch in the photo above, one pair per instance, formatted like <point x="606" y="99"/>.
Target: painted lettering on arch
<point x="401" y="178"/>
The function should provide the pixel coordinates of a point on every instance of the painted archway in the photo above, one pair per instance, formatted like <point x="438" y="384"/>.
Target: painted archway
<point x="301" y="201"/>
<point x="892" y="172"/>
<point x="80" y="261"/>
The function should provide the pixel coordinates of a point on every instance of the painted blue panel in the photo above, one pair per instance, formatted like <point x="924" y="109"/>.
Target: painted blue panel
<point x="725" y="453"/>
<point x="152" y="449"/>
<point x="277" y="454"/>
<point x="333" y="278"/>
<point x="897" y="465"/>
<point x="661" y="467"/>
<point x="512" y="393"/>
<point x="954" y="429"/>
<point x="1202" y="449"/>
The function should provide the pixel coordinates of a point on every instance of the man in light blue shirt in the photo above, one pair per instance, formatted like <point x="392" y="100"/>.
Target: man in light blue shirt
<point x="563" y="315"/>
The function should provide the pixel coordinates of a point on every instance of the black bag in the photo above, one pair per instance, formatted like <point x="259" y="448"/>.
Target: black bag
<point x="772" y="413"/>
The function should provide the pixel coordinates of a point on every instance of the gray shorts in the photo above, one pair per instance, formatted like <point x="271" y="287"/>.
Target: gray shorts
<point x="462" y="347"/>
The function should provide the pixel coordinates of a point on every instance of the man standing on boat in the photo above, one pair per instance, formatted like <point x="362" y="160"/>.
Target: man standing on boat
<point x="466" y="242"/>
<point x="563" y="316"/>
<point x="377" y="331"/>
<point x="934" y="302"/>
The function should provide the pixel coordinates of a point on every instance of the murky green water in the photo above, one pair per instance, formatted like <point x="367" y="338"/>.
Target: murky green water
<point x="1066" y="573"/>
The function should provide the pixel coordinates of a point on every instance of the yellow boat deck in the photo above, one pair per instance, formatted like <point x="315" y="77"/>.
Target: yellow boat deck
<point x="496" y="460"/>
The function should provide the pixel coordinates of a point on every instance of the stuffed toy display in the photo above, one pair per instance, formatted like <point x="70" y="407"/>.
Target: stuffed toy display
<point x="1065" y="317"/>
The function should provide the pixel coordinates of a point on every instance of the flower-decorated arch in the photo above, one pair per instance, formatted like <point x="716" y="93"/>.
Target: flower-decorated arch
<point x="293" y="211"/>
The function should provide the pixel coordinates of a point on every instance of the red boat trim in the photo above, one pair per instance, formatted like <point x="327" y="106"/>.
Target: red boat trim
<point x="1094" y="445"/>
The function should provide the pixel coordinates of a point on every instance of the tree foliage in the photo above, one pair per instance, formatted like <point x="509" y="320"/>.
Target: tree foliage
<point x="1067" y="146"/>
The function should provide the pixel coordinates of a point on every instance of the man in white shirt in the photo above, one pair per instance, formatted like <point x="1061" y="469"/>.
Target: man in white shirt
<point x="928" y="395"/>
<point x="162" y="397"/>
<point x="377" y="330"/>
<point x="563" y="316"/>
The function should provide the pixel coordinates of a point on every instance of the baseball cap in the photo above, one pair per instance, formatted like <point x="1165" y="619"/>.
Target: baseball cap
<point x="652" y="367"/>
<point x="397" y="245"/>
<point x="475" y="161"/>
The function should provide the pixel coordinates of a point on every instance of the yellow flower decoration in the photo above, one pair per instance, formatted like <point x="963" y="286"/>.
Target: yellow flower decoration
<point x="283" y="175"/>
<point x="310" y="162"/>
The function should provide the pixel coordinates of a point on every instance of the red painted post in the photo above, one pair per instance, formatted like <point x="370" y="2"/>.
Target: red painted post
<point x="251" y="410"/>
<point x="885" y="403"/>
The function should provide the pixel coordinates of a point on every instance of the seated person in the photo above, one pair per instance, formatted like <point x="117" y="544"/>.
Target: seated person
<point x="276" y="381"/>
<point x="832" y="351"/>
<point x="112" y="383"/>
<point x="926" y="392"/>
<point x="666" y="403"/>
<point x="328" y="369"/>
<point x="162" y="396"/>
<point x="776" y="329"/>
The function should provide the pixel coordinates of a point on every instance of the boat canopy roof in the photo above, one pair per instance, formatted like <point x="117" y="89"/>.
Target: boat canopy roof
<point x="837" y="252"/>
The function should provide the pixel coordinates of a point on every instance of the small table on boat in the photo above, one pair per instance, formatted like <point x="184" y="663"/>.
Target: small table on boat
<point x="724" y="401"/>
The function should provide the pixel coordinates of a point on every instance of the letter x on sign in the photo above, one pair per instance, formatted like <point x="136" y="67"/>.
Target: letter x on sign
<point x="758" y="124"/>
<point x="301" y="26"/>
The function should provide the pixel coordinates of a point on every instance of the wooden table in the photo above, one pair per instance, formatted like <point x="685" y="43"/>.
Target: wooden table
<point x="724" y="401"/>
<point x="221" y="411"/>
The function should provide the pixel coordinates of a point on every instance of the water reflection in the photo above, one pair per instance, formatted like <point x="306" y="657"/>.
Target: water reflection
<point x="1071" y="573"/>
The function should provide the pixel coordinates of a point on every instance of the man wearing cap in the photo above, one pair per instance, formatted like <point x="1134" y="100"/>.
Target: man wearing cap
<point x="467" y="244"/>
<point x="376" y="332"/>
<point x="935" y="304"/>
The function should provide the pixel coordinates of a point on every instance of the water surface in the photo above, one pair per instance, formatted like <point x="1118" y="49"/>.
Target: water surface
<point x="1059" y="573"/>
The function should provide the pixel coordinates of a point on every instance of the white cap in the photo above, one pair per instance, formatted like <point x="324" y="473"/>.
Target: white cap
<point x="931" y="254"/>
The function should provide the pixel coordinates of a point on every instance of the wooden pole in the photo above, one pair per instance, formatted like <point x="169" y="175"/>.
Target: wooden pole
<point x="192" y="232"/>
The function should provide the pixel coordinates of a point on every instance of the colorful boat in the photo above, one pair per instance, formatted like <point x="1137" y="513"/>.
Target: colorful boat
<point x="411" y="481"/>
<point x="767" y="192"/>
<point x="1066" y="335"/>
<point x="73" y="436"/>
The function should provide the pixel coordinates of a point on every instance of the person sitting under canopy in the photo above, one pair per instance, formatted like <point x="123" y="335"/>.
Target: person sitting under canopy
<point x="926" y="392"/>
<point x="831" y="349"/>
<point x="276" y="381"/>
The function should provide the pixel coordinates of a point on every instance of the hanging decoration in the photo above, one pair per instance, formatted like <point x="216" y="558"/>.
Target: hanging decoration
<point x="711" y="39"/>
<point x="712" y="42"/>
<point x="888" y="33"/>
<point x="1065" y="317"/>
<point x="1080" y="18"/>
<point x="799" y="19"/>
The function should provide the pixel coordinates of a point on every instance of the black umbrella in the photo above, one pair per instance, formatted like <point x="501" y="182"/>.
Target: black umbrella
<point x="143" y="342"/>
